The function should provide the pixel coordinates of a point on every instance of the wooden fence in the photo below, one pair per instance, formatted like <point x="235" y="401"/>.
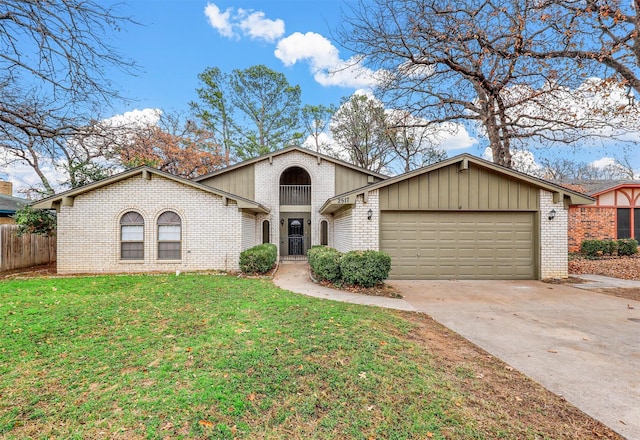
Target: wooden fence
<point x="26" y="250"/>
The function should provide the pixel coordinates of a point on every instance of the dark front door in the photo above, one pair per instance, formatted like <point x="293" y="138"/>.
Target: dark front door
<point x="296" y="236"/>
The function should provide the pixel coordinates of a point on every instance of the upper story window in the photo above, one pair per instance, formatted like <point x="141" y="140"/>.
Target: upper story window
<point x="131" y="236"/>
<point x="169" y="236"/>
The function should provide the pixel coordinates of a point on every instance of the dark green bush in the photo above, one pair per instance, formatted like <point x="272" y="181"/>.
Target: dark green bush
<point x="627" y="247"/>
<point x="325" y="263"/>
<point x="259" y="259"/>
<point x="365" y="268"/>
<point x="598" y="248"/>
<point x="35" y="221"/>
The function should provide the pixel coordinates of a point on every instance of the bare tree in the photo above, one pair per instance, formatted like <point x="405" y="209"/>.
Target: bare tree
<point x="358" y="128"/>
<point x="464" y="61"/>
<point x="315" y="119"/>
<point x="54" y="62"/>
<point x="413" y="144"/>
<point x="600" y="35"/>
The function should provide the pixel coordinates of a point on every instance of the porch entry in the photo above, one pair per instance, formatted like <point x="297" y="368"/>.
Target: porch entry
<point x="295" y="234"/>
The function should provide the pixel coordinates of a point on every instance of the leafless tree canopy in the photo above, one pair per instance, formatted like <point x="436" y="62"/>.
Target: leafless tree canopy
<point x="54" y="61"/>
<point x="471" y="62"/>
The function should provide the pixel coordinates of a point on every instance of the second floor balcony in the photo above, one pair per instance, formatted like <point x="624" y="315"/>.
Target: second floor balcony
<point x="295" y="195"/>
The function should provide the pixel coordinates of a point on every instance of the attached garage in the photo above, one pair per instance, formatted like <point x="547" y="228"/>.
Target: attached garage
<point x="462" y="218"/>
<point x="459" y="245"/>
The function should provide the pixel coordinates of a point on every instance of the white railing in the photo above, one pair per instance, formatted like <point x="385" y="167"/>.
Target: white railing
<point x="295" y="194"/>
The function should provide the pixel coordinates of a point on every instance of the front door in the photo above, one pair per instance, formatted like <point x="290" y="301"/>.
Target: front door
<point x="296" y="236"/>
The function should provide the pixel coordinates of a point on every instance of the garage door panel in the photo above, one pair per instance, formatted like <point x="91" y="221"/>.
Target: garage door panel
<point x="459" y="245"/>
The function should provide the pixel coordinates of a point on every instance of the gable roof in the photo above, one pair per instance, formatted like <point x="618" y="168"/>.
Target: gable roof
<point x="285" y="151"/>
<point x="54" y="202"/>
<point x="597" y="188"/>
<point x="10" y="204"/>
<point x="341" y="200"/>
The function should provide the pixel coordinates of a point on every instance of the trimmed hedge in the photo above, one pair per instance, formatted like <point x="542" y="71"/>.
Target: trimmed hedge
<point x="627" y="246"/>
<point x="258" y="259"/>
<point x="358" y="268"/>
<point x="599" y="248"/>
<point x="325" y="263"/>
<point x="365" y="268"/>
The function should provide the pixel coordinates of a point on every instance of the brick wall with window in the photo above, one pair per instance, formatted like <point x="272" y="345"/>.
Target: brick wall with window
<point x="590" y="223"/>
<point x="201" y="233"/>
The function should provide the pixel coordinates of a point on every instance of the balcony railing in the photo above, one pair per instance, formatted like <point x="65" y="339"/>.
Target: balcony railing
<point x="295" y="194"/>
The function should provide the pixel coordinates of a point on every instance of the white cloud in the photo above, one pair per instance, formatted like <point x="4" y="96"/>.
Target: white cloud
<point x="451" y="136"/>
<point x="324" y="61"/>
<point x="253" y="24"/>
<point x="140" y="118"/>
<point x="219" y="20"/>
<point x="256" y="26"/>
<point x="521" y="160"/>
<point x="604" y="162"/>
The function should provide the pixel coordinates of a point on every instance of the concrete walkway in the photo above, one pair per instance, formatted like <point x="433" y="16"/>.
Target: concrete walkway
<point x="579" y="344"/>
<point x="294" y="276"/>
<point x="602" y="282"/>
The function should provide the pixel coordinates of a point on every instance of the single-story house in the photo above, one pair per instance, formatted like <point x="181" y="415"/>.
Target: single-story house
<point x="614" y="215"/>
<point x="462" y="218"/>
<point x="9" y="204"/>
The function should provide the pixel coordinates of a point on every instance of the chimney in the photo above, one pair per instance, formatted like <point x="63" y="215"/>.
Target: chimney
<point x="6" y="188"/>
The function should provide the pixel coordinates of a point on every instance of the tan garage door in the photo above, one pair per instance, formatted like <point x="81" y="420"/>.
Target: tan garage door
<point x="459" y="245"/>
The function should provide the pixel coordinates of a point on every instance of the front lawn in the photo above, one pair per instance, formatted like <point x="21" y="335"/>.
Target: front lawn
<point x="211" y="356"/>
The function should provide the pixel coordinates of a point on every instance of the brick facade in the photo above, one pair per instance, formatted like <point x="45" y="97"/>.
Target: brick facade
<point x="267" y="191"/>
<point x="553" y="238"/>
<point x="89" y="231"/>
<point x="353" y="229"/>
<point x="590" y="223"/>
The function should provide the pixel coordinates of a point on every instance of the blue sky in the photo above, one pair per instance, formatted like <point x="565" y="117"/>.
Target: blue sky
<point x="177" y="40"/>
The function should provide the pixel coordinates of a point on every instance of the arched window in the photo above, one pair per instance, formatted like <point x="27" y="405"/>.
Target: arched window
<point x="324" y="232"/>
<point x="266" y="232"/>
<point x="131" y="236"/>
<point x="169" y="236"/>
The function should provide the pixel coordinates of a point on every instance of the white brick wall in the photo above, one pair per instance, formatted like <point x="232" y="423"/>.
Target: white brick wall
<point x="366" y="233"/>
<point x="343" y="231"/>
<point x="249" y="238"/>
<point x="553" y="238"/>
<point x="267" y="190"/>
<point x="211" y="232"/>
<point x="354" y="231"/>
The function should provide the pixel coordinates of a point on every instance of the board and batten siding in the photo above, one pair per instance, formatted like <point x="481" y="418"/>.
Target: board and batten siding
<point x="348" y="179"/>
<point x="449" y="188"/>
<point x="240" y="182"/>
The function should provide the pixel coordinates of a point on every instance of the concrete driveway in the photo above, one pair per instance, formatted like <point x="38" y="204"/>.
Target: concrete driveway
<point x="579" y="344"/>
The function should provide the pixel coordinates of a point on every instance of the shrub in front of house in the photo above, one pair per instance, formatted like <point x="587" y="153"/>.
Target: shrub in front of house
<point x="598" y="248"/>
<point x="627" y="247"/>
<point x="259" y="259"/>
<point x="325" y="263"/>
<point x="365" y="268"/>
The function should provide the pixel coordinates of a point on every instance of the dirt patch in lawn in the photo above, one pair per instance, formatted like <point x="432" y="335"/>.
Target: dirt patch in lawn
<point x="632" y="294"/>
<point x="494" y="391"/>
<point x="30" y="272"/>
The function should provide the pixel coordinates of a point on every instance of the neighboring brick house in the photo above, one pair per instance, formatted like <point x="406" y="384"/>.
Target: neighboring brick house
<point x="614" y="215"/>
<point x="462" y="218"/>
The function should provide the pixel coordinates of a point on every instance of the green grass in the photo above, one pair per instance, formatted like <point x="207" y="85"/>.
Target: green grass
<point x="211" y="356"/>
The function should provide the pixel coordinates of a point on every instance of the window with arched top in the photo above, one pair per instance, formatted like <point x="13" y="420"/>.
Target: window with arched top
<point x="131" y="236"/>
<point x="169" y="236"/>
<point x="324" y="232"/>
<point x="266" y="231"/>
